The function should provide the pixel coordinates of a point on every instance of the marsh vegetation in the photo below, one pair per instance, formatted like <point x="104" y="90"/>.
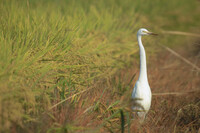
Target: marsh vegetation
<point x="70" y="65"/>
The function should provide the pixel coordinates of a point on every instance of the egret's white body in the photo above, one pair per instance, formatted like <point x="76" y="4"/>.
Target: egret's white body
<point x="141" y="95"/>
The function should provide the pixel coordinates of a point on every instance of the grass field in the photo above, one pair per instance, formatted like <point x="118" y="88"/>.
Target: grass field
<point x="70" y="65"/>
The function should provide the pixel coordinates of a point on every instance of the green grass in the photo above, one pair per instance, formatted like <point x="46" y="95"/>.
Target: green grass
<point x="50" y="50"/>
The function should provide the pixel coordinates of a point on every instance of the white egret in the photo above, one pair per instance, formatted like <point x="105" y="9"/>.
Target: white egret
<point x="141" y="95"/>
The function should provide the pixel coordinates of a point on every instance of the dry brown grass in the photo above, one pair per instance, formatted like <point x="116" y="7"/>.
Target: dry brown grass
<point x="169" y="74"/>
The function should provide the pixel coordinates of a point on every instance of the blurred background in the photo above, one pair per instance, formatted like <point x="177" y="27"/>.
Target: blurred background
<point x="70" y="65"/>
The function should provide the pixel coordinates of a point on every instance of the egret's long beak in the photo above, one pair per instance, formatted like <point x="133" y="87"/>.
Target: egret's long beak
<point x="151" y="33"/>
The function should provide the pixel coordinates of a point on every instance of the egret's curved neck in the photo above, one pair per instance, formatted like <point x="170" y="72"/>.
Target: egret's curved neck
<point x="143" y="67"/>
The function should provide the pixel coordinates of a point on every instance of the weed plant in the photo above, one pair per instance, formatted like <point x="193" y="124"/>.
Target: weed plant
<point x="52" y="50"/>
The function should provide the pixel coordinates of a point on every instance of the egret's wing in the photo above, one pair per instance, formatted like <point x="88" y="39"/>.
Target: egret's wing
<point x="137" y="99"/>
<point x="137" y="90"/>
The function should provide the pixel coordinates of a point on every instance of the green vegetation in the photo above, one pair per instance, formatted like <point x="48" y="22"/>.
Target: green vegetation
<point x="51" y="50"/>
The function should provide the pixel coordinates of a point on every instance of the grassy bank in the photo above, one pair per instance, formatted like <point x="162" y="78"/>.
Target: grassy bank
<point x="51" y="50"/>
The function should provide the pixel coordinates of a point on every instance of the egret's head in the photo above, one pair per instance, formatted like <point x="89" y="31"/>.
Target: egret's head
<point x="143" y="31"/>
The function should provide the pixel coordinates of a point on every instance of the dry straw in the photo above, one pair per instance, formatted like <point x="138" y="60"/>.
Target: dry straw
<point x="175" y="53"/>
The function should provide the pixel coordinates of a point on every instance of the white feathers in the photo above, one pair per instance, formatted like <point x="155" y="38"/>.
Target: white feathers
<point x="141" y="95"/>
